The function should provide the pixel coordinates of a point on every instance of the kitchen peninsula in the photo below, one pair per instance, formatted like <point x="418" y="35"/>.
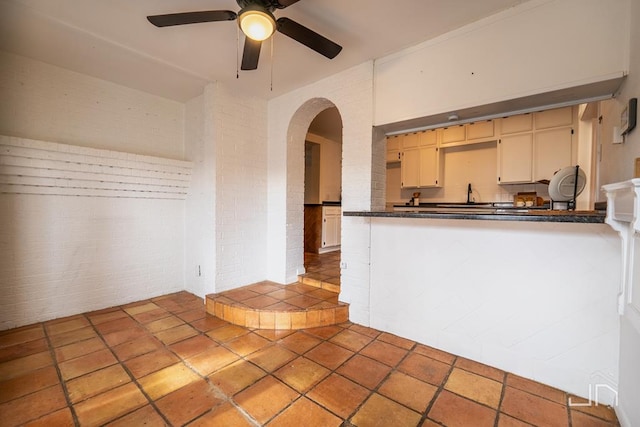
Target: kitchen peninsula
<point x="489" y="213"/>
<point x="533" y="292"/>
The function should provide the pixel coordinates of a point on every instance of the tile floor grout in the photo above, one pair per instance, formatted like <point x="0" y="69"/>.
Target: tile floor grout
<point x="327" y="338"/>
<point x="183" y="366"/>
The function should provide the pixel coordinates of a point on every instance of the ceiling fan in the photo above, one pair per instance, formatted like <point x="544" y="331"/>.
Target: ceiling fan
<point x="257" y="22"/>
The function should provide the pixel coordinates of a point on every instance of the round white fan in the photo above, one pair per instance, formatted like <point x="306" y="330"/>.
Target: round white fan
<point x="563" y="184"/>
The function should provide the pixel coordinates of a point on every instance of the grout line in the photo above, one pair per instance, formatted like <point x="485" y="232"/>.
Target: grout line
<point x="502" y="393"/>
<point x="134" y="380"/>
<point x="63" y="383"/>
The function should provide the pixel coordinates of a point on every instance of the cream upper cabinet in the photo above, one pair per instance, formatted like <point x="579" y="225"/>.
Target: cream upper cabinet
<point x="534" y="146"/>
<point x="516" y="124"/>
<point x="515" y="155"/>
<point x="394" y="144"/>
<point x="428" y="138"/>
<point x="553" y="118"/>
<point x="411" y="140"/>
<point x="470" y="133"/>
<point x="420" y="165"/>
<point x="553" y="150"/>
<point x="454" y="134"/>
<point x="481" y="131"/>
<point x="410" y="167"/>
<point x="430" y="166"/>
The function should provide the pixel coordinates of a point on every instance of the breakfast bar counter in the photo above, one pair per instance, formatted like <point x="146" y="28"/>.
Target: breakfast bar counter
<point x="487" y="214"/>
<point x="530" y="291"/>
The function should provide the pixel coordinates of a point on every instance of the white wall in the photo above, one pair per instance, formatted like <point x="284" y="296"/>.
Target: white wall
<point x="85" y="229"/>
<point x="66" y="254"/>
<point x="330" y="168"/>
<point x="240" y="129"/>
<point x="200" y="247"/>
<point x="289" y="119"/>
<point x="43" y="102"/>
<point x="617" y="165"/>
<point x="226" y="225"/>
<point x="537" y="47"/>
<point x="536" y="299"/>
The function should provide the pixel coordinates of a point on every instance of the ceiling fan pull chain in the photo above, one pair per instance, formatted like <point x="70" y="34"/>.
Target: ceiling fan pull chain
<point x="237" y="52"/>
<point x="272" y="42"/>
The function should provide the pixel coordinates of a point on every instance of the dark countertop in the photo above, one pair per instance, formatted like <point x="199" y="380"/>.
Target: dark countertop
<point x="491" y="214"/>
<point x="325" y="203"/>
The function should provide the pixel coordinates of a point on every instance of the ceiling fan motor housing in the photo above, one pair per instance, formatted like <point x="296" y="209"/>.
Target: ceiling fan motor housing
<point x="269" y="5"/>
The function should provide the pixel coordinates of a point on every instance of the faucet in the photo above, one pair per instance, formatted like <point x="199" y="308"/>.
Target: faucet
<point x="469" y="194"/>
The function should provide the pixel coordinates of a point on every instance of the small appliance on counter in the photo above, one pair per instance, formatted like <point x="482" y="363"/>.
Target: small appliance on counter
<point x="527" y="199"/>
<point x="415" y="200"/>
<point x="565" y="186"/>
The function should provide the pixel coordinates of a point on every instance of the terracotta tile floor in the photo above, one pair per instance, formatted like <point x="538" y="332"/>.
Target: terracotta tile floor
<point x="322" y="270"/>
<point x="165" y="361"/>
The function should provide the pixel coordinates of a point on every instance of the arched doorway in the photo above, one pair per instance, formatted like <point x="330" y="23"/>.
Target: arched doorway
<point x="297" y="135"/>
<point x="323" y="200"/>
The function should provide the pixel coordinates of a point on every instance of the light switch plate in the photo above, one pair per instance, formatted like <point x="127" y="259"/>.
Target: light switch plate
<point x="617" y="138"/>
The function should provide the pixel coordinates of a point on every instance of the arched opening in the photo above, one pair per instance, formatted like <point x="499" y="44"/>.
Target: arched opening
<point x="322" y="200"/>
<point x="317" y="121"/>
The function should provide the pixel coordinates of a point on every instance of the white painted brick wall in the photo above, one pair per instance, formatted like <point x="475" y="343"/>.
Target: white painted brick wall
<point x="289" y="119"/>
<point x="240" y="124"/>
<point x="62" y="255"/>
<point x="44" y="102"/>
<point x="227" y="213"/>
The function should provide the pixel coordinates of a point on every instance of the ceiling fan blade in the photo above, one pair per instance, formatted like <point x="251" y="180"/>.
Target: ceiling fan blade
<point x="281" y="4"/>
<point x="250" y="54"/>
<point x="191" y="17"/>
<point x="309" y="38"/>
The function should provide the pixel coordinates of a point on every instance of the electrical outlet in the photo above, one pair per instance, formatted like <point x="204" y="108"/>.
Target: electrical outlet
<point x="343" y="265"/>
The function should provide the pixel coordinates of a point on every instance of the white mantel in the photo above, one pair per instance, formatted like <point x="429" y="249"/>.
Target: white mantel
<point x="623" y="208"/>
<point x="623" y="201"/>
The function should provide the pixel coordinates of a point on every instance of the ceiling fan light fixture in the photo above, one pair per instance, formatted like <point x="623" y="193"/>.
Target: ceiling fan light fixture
<point x="256" y="22"/>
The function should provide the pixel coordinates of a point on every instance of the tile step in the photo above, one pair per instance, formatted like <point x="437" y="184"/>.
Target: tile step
<point x="268" y="305"/>
<point x="322" y="284"/>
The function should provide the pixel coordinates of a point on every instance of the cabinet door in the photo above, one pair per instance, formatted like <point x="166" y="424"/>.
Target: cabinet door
<point x="554" y="118"/>
<point x="410" y="140"/>
<point x="393" y="156"/>
<point x="480" y="130"/>
<point x="516" y="124"/>
<point x="410" y="168"/>
<point x="428" y="138"/>
<point x="429" y="167"/>
<point x="553" y="150"/>
<point x="331" y="232"/>
<point x="393" y="142"/>
<point x="453" y="134"/>
<point x="515" y="156"/>
<point x="393" y="148"/>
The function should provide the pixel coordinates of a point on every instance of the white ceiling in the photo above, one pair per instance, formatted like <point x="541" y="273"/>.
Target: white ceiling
<point x="112" y="40"/>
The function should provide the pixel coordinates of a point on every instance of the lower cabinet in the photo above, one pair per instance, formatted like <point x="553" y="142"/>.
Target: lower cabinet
<point x="312" y="228"/>
<point x="331" y="232"/>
